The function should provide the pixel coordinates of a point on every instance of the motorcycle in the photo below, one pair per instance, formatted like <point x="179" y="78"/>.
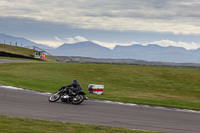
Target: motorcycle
<point x="69" y="97"/>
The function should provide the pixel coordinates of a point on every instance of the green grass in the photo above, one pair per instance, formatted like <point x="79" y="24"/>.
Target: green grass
<point x="152" y="85"/>
<point x="26" y="125"/>
<point x="16" y="50"/>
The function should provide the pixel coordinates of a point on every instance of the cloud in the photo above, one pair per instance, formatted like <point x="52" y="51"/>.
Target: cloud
<point x="53" y="44"/>
<point x="111" y="45"/>
<point x="178" y="17"/>
<point x="57" y="39"/>
<point x="76" y="39"/>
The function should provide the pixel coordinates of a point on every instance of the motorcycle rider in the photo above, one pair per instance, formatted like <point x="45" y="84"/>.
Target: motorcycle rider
<point x="76" y="87"/>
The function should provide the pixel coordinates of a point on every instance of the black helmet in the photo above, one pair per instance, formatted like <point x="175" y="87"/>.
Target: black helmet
<point x="75" y="81"/>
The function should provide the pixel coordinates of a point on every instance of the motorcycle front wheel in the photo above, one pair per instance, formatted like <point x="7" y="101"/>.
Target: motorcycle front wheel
<point x="78" y="99"/>
<point x="54" y="97"/>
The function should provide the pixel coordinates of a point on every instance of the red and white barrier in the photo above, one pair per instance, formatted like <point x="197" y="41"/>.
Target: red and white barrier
<point x="96" y="89"/>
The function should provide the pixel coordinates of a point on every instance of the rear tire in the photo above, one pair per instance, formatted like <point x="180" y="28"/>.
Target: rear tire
<point x="54" y="97"/>
<point x="78" y="99"/>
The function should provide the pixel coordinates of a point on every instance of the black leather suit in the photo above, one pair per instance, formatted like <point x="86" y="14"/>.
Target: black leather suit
<point x="76" y="87"/>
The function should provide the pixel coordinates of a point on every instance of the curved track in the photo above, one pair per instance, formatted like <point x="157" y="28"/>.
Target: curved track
<point x="32" y="104"/>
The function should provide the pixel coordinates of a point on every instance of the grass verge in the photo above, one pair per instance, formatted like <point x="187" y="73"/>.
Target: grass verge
<point x="152" y="85"/>
<point x="26" y="125"/>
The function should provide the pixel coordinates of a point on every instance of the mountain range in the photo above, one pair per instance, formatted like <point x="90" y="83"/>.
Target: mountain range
<point x="151" y="52"/>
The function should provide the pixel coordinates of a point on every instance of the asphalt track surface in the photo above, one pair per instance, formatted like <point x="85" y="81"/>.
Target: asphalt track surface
<point x="31" y="104"/>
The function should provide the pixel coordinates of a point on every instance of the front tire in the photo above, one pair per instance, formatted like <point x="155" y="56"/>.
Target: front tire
<point x="78" y="99"/>
<point x="54" y="97"/>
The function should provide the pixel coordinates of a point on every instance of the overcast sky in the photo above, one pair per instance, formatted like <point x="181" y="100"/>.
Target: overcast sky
<point x="106" y="22"/>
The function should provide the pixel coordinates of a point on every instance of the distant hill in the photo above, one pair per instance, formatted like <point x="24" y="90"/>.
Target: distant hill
<point x="87" y="49"/>
<point x="13" y="51"/>
<point x="151" y="52"/>
<point x="122" y="61"/>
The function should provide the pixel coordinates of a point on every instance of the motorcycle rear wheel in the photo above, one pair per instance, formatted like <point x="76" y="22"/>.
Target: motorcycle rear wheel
<point x="78" y="99"/>
<point x="54" y="97"/>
